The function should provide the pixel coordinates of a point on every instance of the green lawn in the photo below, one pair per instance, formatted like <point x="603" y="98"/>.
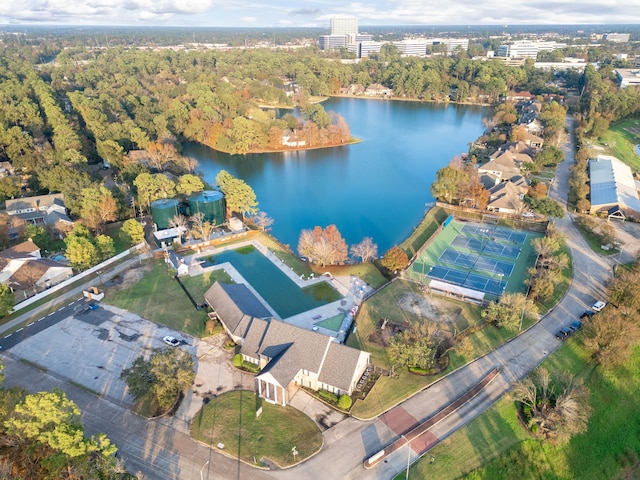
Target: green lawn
<point x="494" y="445"/>
<point x="620" y="142"/>
<point x="158" y="297"/>
<point x="230" y="419"/>
<point x="594" y="241"/>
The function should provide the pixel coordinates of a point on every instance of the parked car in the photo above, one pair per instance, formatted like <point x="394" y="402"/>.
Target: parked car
<point x="563" y="333"/>
<point x="599" y="305"/>
<point x="171" y="341"/>
<point x="587" y="315"/>
<point x="575" y="326"/>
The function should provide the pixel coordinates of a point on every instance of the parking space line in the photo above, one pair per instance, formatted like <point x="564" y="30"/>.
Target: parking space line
<point x="51" y="314"/>
<point x="7" y="336"/>
<point x="40" y="319"/>
<point x="19" y="330"/>
<point x="69" y="304"/>
<point x="30" y="324"/>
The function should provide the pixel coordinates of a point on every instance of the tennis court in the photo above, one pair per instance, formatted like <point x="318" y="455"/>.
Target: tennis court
<point x="492" y="248"/>
<point x="469" y="280"/>
<point x="496" y="233"/>
<point x="477" y="262"/>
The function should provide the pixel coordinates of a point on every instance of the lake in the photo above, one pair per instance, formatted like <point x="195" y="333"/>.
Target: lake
<point x="377" y="188"/>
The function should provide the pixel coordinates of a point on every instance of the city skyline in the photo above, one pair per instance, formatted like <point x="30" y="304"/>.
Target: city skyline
<point x="316" y="13"/>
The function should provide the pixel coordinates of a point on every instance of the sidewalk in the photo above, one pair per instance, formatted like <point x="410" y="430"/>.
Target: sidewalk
<point x="63" y="298"/>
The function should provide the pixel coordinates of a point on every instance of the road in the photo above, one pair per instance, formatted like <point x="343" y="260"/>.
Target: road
<point x="161" y="451"/>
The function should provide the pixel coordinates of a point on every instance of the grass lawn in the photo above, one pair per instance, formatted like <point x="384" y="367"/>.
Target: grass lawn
<point x="423" y="232"/>
<point x="230" y="419"/>
<point x="495" y="446"/>
<point x="594" y="241"/>
<point x="620" y="142"/>
<point x="158" y="297"/>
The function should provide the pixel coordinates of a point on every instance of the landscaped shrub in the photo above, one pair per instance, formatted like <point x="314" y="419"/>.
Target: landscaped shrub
<point x="237" y="360"/>
<point x="250" y="367"/>
<point x="345" y="402"/>
<point x="328" y="397"/>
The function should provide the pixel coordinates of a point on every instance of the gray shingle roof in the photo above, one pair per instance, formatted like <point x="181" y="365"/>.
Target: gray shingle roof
<point x="339" y="366"/>
<point x="234" y="302"/>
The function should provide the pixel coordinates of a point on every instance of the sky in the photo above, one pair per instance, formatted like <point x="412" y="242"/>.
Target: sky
<point x="316" y="13"/>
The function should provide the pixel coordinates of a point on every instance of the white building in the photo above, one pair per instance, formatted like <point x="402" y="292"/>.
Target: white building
<point x="413" y="47"/>
<point x="616" y="37"/>
<point x="628" y="77"/>
<point x="613" y="189"/>
<point x="332" y="42"/>
<point x="527" y="48"/>
<point x="344" y="25"/>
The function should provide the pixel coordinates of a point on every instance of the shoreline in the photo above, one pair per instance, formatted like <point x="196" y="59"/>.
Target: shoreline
<point x="352" y="141"/>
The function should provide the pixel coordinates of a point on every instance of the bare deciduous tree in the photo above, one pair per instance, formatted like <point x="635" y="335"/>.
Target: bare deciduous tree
<point x="263" y="221"/>
<point x="366" y="250"/>
<point x="200" y="228"/>
<point x="559" y="406"/>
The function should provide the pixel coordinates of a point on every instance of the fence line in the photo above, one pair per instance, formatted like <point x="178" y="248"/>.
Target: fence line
<point x="77" y="277"/>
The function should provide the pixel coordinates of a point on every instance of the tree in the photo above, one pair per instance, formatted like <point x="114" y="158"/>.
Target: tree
<point x="187" y="184"/>
<point x="153" y="187"/>
<point x="509" y="311"/>
<point x="167" y="373"/>
<point x="81" y="252"/>
<point x="9" y="188"/>
<point x="557" y="406"/>
<point x="263" y="221"/>
<point x="7" y="300"/>
<point x="200" y="228"/>
<point x="545" y="206"/>
<point x="133" y="230"/>
<point x="610" y="337"/>
<point x="549" y="156"/>
<point x="51" y="419"/>
<point x="366" y="250"/>
<point x="97" y="207"/>
<point x="323" y="246"/>
<point x="104" y="247"/>
<point x="413" y="348"/>
<point x="240" y="197"/>
<point x="38" y="235"/>
<point x="395" y="259"/>
<point x="448" y="184"/>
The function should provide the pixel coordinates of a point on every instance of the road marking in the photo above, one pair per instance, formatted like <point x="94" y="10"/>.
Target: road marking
<point x="40" y="319"/>
<point x="19" y="330"/>
<point x="30" y="324"/>
<point x="7" y="336"/>
<point x="69" y="304"/>
<point x="51" y="314"/>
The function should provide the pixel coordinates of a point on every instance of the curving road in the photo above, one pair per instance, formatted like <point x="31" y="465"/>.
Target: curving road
<point x="161" y="449"/>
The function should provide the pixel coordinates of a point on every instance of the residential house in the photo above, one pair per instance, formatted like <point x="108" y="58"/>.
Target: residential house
<point x="507" y="197"/>
<point x="289" y="357"/>
<point x="176" y="262"/>
<point x="378" y="90"/>
<point x="23" y="269"/>
<point x="6" y="170"/>
<point x="532" y="140"/>
<point x="501" y="168"/>
<point x="40" y="210"/>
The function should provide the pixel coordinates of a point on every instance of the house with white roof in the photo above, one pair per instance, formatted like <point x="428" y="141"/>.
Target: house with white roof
<point x="613" y="188"/>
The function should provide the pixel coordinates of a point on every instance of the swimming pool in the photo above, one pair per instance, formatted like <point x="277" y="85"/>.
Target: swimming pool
<point x="278" y="290"/>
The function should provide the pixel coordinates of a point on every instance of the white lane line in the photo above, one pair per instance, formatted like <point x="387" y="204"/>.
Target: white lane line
<point x="30" y="324"/>
<point x="19" y="330"/>
<point x="7" y="336"/>
<point x="40" y="319"/>
<point x="51" y="314"/>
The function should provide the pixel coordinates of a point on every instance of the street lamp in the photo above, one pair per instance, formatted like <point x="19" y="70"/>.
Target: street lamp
<point x="207" y="463"/>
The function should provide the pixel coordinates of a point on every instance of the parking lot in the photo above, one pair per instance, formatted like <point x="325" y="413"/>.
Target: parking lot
<point x="91" y="348"/>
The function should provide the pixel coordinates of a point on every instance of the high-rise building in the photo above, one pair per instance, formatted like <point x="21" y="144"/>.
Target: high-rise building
<point x="344" y="25"/>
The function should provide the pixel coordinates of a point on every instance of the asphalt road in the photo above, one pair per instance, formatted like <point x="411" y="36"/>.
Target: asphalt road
<point x="42" y="323"/>
<point x="162" y="451"/>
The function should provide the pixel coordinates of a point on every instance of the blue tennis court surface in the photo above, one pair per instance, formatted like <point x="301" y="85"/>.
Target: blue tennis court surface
<point x="477" y="262"/>
<point x="492" y="248"/>
<point x="496" y="233"/>
<point x="469" y="280"/>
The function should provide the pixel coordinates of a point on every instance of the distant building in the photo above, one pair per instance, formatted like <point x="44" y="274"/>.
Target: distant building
<point x="628" y="77"/>
<point x="527" y="48"/>
<point x="332" y="42"/>
<point x="344" y="25"/>
<point x="40" y="210"/>
<point x="616" y="37"/>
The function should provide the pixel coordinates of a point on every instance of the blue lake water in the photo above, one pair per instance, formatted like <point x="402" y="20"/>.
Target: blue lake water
<point x="377" y="188"/>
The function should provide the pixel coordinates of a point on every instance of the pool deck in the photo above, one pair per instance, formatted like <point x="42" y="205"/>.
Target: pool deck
<point x="351" y="289"/>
